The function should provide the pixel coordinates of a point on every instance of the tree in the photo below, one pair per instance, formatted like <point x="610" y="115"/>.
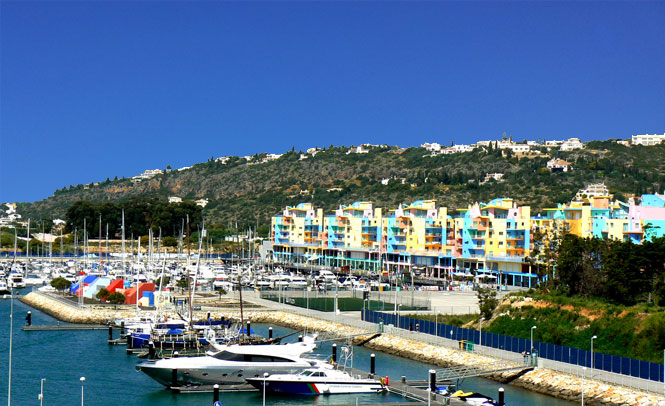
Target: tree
<point x="165" y="280"/>
<point x="183" y="283"/>
<point x="102" y="294"/>
<point x="487" y="302"/>
<point x="60" y="283"/>
<point x="169" y="242"/>
<point x="116" y="298"/>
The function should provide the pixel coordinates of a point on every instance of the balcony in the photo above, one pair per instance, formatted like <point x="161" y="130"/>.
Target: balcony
<point x="479" y="227"/>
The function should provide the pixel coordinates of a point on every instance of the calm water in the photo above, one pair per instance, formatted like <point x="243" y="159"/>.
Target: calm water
<point x="62" y="357"/>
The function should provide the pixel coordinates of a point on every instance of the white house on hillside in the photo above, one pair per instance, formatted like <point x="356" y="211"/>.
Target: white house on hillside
<point x="571" y="144"/>
<point x="647" y="139"/>
<point x="558" y="165"/>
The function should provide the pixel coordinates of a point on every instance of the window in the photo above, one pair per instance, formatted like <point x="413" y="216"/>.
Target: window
<point x="229" y="356"/>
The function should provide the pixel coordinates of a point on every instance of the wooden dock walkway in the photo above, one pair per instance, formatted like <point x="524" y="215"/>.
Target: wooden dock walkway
<point x="420" y="393"/>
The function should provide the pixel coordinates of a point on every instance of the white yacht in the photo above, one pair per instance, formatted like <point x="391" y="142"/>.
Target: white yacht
<point x="317" y="381"/>
<point x="298" y="282"/>
<point x="15" y="280"/>
<point x="230" y="365"/>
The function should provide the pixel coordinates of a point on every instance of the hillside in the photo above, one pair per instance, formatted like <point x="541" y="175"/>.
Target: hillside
<point x="245" y="191"/>
<point x="636" y="331"/>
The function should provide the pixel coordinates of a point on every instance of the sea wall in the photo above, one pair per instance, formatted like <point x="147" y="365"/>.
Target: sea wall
<point x="560" y="385"/>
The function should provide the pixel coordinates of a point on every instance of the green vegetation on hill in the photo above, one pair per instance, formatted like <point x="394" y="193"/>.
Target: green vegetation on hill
<point x="140" y="215"/>
<point x="629" y="331"/>
<point x="616" y="271"/>
<point x="247" y="192"/>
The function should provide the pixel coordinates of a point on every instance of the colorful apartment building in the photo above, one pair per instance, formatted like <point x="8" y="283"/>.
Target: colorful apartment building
<point x="493" y="239"/>
<point x="298" y="230"/>
<point x="417" y="236"/>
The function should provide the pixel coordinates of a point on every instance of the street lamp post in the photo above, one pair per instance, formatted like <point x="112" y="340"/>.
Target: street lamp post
<point x="532" y="328"/>
<point x="399" y="310"/>
<point x="82" y="382"/>
<point x="592" y="338"/>
<point x="582" y="383"/>
<point x="480" y="328"/>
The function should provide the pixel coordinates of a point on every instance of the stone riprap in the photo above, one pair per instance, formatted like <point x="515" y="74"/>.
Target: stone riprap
<point x="557" y="384"/>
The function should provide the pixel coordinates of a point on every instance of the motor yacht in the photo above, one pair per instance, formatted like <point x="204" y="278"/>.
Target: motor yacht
<point x="230" y="365"/>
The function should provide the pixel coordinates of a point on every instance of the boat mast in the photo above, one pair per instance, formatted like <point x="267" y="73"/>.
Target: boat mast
<point x="189" y="284"/>
<point x="76" y="246"/>
<point x="138" y="257"/>
<point x="159" y="243"/>
<point x="150" y="248"/>
<point x="62" y="246"/>
<point x="11" y="344"/>
<point x="108" y="251"/>
<point x="27" y="243"/>
<point x="161" y="282"/>
<point x="101" y="261"/>
<point x="196" y="275"/>
<point x="85" y="243"/>
<point x="122" y="227"/>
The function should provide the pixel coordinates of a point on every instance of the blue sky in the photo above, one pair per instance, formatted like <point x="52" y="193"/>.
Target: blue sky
<point x="91" y="90"/>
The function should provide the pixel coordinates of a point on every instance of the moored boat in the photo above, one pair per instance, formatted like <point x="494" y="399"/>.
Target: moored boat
<point x="317" y="381"/>
<point x="4" y="289"/>
<point x="474" y="398"/>
<point x="230" y="365"/>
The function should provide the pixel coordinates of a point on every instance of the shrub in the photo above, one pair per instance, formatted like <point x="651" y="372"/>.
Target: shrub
<point x="102" y="294"/>
<point x="61" y="283"/>
<point x="116" y="298"/>
<point x="487" y="301"/>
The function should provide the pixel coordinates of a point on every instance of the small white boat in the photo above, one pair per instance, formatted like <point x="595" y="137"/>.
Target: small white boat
<point x="4" y="289"/>
<point x="473" y="398"/>
<point x="34" y="280"/>
<point x="317" y="381"/>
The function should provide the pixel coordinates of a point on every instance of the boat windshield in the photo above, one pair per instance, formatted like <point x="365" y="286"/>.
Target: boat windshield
<point x="306" y="373"/>
<point x="230" y="356"/>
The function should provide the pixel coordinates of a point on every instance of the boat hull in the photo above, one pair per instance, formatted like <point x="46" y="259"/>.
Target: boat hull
<point x="221" y="375"/>
<point x="317" y="388"/>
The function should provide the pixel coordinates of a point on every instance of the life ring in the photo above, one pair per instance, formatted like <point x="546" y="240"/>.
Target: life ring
<point x="210" y="335"/>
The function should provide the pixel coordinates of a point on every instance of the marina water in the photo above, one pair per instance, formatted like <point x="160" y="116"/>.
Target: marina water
<point x="62" y="357"/>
